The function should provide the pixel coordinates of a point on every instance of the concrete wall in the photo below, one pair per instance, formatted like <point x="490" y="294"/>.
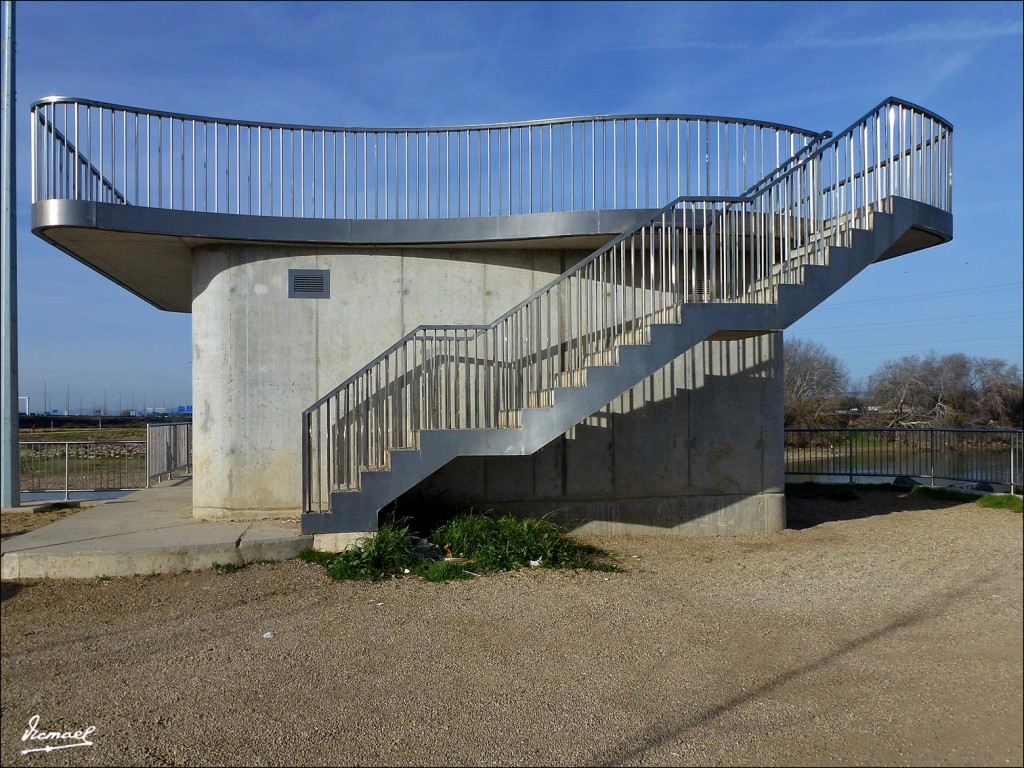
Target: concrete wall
<point x="259" y="358"/>
<point x="695" y="449"/>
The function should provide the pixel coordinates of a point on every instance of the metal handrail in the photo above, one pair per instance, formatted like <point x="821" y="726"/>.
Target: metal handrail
<point x="195" y="163"/>
<point x="425" y="331"/>
<point x="937" y="123"/>
<point x="693" y="250"/>
<point x="105" y="192"/>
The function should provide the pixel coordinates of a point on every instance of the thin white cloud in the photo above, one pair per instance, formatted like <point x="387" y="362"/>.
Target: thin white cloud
<point x="961" y="31"/>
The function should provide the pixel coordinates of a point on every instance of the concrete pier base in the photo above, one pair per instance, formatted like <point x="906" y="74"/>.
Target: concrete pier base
<point x="340" y="542"/>
<point x="673" y="516"/>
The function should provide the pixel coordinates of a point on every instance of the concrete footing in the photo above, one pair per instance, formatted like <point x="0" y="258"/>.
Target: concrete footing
<point x="339" y="542"/>
<point x="673" y="516"/>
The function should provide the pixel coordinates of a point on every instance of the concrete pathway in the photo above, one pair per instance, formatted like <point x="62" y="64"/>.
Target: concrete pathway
<point x="149" y="531"/>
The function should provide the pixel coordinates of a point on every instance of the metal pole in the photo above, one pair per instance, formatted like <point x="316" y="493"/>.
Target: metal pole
<point x="10" y="478"/>
<point x="1013" y="466"/>
<point x="849" y="451"/>
<point x="931" y="435"/>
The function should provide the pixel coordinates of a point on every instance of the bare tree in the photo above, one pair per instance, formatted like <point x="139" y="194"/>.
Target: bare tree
<point x="952" y="390"/>
<point x="1000" y="393"/>
<point x="895" y="390"/>
<point x="814" y="383"/>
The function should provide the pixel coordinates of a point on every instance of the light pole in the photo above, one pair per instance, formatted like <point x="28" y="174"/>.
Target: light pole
<point x="10" y="476"/>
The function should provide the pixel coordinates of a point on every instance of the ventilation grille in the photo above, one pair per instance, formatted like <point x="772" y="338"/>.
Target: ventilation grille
<point x="309" y="284"/>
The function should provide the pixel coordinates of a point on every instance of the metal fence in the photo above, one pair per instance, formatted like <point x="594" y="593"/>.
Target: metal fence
<point x="95" y="151"/>
<point x="82" y="466"/>
<point x="993" y="456"/>
<point x="169" y="449"/>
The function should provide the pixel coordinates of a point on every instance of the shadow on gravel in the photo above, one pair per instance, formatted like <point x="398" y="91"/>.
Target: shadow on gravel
<point x="655" y="736"/>
<point x="802" y="515"/>
<point x="811" y="504"/>
<point x="9" y="589"/>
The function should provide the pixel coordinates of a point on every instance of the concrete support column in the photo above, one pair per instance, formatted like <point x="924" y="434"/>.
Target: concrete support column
<point x="260" y="358"/>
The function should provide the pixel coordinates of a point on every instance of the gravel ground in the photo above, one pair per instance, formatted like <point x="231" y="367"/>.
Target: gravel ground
<point x="886" y="630"/>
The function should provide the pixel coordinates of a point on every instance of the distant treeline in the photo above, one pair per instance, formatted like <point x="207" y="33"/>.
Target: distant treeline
<point x="94" y="422"/>
<point x="953" y="390"/>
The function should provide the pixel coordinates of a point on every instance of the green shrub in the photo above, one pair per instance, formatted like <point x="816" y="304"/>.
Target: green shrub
<point x="490" y="544"/>
<point x="389" y="551"/>
<point x="442" y="570"/>
<point x="311" y="555"/>
<point x="507" y="543"/>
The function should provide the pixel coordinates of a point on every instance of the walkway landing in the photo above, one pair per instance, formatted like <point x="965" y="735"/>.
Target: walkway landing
<point x="149" y="531"/>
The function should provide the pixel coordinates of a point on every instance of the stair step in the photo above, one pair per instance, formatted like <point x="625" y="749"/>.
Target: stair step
<point x="543" y="399"/>
<point x="574" y="378"/>
<point x="636" y="337"/>
<point x="608" y="357"/>
<point x="510" y="419"/>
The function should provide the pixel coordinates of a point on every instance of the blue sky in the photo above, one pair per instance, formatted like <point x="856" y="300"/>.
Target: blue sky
<point x="815" y="65"/>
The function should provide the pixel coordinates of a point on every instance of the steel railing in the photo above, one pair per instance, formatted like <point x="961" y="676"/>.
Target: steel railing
<point x="77" y="466"/>
<point x="168" y="449"/>
<point x="96" y="151"/>
<point x="695" y="249"/>
<point x="963" y="455"/>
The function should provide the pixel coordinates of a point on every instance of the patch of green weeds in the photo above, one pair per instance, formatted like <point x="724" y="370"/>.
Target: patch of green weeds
<point x="488" y="544"/>
<point x="507" y="543"/>
<point x="389" y="551"/>
<point x="1002" y="501"/>
<point x="442" y="570"/>
<point x="317" y="557"/>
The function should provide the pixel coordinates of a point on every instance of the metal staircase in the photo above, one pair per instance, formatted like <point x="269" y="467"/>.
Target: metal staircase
<point x="701" y="268"/>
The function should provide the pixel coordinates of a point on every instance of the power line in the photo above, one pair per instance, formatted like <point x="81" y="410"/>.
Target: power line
<point x="910" y="343"/>
<point x="926" y="321"/>
<point x="918" y="296"/>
